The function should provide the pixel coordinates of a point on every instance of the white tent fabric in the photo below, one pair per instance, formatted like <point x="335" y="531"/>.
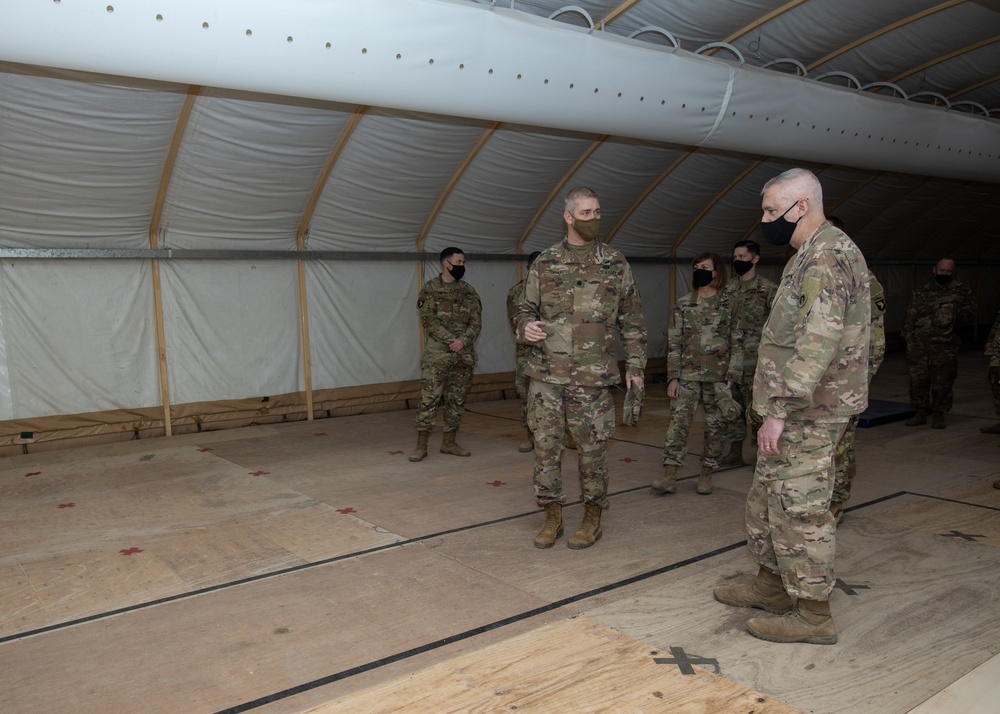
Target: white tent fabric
<point x="250" y="216"/>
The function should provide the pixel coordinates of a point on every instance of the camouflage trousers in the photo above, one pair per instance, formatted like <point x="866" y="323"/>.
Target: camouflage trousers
<point x="446" y="381"/>
<point x="682" y="413"/>
<point x="736" y="430"/>
<point x="789" y="525"/>
<point x="522" y="383"/>
<point x="995" y="388"/>
<point x="933" y="369"/>
<point x="588" y="414"/>
<point x="844" y="462"/>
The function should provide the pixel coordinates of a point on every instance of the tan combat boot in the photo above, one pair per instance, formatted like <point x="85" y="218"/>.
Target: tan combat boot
<point x="705" y="481"/>
<point x="937" y="421"/>
<point x="420" y="452"/>
<point x="667" y="483"/>
<point x="448" y="445"/>
<point x="918" y="419"/>
<point x="766" y="592"/>
<point x="528" y="443"/>
<point x="553" y="527"/>
<point x="735" y="455"/>
<point x="810" y="622"/>
<point x="590" y="529"/>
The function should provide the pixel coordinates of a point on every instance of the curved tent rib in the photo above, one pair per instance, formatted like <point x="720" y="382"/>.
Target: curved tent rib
<point x="557" y="187"/>
<point x="154" y="229"/>
<point x="884" y="31"/>
<point x="945" y="57"/>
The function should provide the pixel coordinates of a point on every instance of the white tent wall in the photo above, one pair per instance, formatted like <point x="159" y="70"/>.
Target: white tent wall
<point x="79" y="336"/>
<point x="187" y="192"/>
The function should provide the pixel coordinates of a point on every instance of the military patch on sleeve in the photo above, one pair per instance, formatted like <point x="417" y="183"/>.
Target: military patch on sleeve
<point x="880" y="305"/>
<point x="420" y="304"/>
<point x="809" y="292"/>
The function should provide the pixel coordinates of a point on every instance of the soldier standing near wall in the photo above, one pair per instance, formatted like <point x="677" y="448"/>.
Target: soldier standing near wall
<point x="578" y="293"/>
<point x="811" y="378"/>
<point x="452" y="318"/>
<point x="750" y="297"/>
<point x="521" y="381"/>
<point x="933" y="317"/>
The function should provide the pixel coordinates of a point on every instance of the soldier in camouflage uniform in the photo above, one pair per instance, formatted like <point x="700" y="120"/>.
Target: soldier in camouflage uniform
<point x="521" y="381"/>
<point x="932" y="340"/>
<point x="704" y="358"/>
<point x="811" y="379"/>
<point x="992" y="353"/>
<point x="452" y="317"/>
<point x="750" y="296"/>
<point x="994" y="372"/>
<point x="578" y="293"/>
<point x="846" y="467"/>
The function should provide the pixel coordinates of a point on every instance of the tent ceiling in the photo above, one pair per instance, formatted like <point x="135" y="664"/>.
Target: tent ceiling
<point x="115" y="161"/>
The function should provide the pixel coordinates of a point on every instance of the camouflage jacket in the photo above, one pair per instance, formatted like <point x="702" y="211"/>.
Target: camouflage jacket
<point x="583" y="301"/>
<point x="513" y="301"/>
<point x="751" y="302"/>
<point x="876" y="349"/>
<point x="813" y="355"/>
<point x="995" y="344"/>
<point x="991" y="350"/>
<point x="449" y="310"/>
<point x="935" y="311"/>
<point x="702" y="343"/>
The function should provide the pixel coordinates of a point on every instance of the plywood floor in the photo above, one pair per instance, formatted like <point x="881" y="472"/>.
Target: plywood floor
<point x="310" y="567"/>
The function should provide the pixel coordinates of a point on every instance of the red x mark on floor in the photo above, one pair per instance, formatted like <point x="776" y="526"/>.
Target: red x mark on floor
<point x="496" y="483"/>
<point x="33" y="473"/>
<point x="66" y="505"/>
<point x="629" y="460"/>
<point x="205" y="449"/>
<point x="259" y="473"/>
<point x="130" y="551"/>
<point x="345" y="511"/>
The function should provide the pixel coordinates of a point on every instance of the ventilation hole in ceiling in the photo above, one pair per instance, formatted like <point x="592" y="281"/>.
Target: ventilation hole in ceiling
<point x="570" y="85"/>
<point x="519" y="76"/>
<point x="249" y="33"/>
<point x="111" y="8"/>
<point x="751" y="116"/>
<point x="430" y="61"/>
<point x="619" y="95"/>
<point x="56" y="1"/>
<point x="663" y="102"/>
<point x="462" y="65"/>
<point x="159" y="18"/>
<point x="841" y="131"/>
<point x="642" y="99"/>
<point x="328" y="45"/>
<point x="814" y="126"/>
<point x="399" y="56"/>
<point x="798" y="123"/>
<point x="204" y="25"/>
<point x="684" y="106"/>
<point x="828" y="130"/>
<point x="288" y="39"/>
<point x="364" y="50"/>
<point x="767" y="118"/>
<point x="545" y="82"/>
<point x="596" y="90"/>
<point x="703" y="108"/>
<point x="734" y="113"/>
<point x="491" y="71"/>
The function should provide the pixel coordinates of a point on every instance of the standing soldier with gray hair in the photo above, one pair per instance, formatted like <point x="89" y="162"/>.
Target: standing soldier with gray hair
<point x="811" y="379"/>
<point x="452" y="317"/>
<point x="750" y="297"/>
<point x="577" y="295"/>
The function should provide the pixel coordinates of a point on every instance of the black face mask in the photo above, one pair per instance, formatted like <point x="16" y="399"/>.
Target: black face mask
<point x="701" y="278"/>
<point x="942" y="279"/>
<point x="457" y="271"/>
<point x="779" y="231"/>
<point x="742" y="267"/>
